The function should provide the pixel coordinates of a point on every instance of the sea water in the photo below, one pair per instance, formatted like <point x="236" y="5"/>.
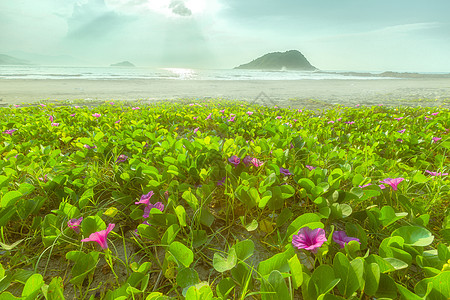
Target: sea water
<point x="124" y="73"/>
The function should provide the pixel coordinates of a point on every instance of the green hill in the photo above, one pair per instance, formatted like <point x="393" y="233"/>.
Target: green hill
<point x="290" y="60"/>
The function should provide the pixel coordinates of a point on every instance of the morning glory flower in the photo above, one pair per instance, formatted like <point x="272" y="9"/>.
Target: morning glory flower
<point x="55" y="124"/>
<point x="310" y="167"/>
<point x="247" y="160"/>
<point x="148" y="208"/>
<point x="435" y="139"/>
<point x="256" y="162"/>
<point x="285" y="172"/>
<point x="231" y="119"/>
<point x="400" y="140"/>
<point x="366" y="185"/>
<point x="401" y="131"/>
<point x="249" y="113"/>
<point x="235" y="160"/>
<point x="341" y="238"/>
<point x="51" y="118"/>
<point x="435" y="114"/>
<point x="278" y="117"/>
<point x="135" y="108"/>
<point x="96" y="115"/>
<point x="309" y="239"/>
<point x="427" y="118"/>
<point x="196" y="129"/>
<point x="221" y="182"/>
<point x="330" y="122"/>
<point x="43" y="179"/>
<point x="72" y="115"/>
<point x="222" y="111"/>
<point x="145" y="199"/>
<point x="350" y="122"/>
<point x="118" y="121"/>
<point x="436" y="173"/>
<point x="398" y="119"/>
<point x="393" y="182"/>
<point x="100" y="237"/>
<point x="209" y="116"/>
<point x="9" y="131"/>
<point x="16" y="105"/>
<point x="122" y="158"/>
<point x="74" y="224"/>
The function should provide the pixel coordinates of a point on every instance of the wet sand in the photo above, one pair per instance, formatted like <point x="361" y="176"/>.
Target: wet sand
<point x="294" y="93"/>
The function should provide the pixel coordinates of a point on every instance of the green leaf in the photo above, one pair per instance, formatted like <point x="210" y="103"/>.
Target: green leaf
<point x="244" y="249"/>
<point x="55" y="289"/>
<point x="324" y="280"/>
<point x="222" y="264"/>
<point x="84" y="199"/>
<point x="440" y="284"/>
<point x="386" y="288"/>
<point x="414" y="235"/>
<point x="32" y="287"/>
<point x="190" y="199"/>
<point x="181" y="253"/>
<point x="277" y="262"/>
<point x="278" y="285"/>
<point x="420" y="178"/>
<point x="10" y="198"/>
<point x="296" y="271"/>
<point x="181" y="215"/>
<point x="225" y="287"/>
<point x="372" y="279"/>
<point x="389" y="216"/>
<point x="92" y="224"/>
<point x="407" y="294"/>
<point x="187" y="277"/>
<point x="349" y="280"/>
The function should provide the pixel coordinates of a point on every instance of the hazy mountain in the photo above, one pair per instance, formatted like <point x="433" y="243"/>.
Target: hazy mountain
<point x="55" y="60"/>
<point x="290" y="60"/>
<point x="10" y="60"/>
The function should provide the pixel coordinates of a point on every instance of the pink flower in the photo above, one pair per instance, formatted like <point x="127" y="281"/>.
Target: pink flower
<point x="43" y="179"/>
<point x="148" y="208"/>
<point x="9" y="131"/>
<point x="350" y="122"/>
<point x="42" y="105"/>
<point x="221" y="182"/>
<point x="310" y="167"/>
<point x="76" y="106"/>
<point x="400" y="140"/>
<point x="256" y="162"/>
<point x="357" y="105"/>
<point x="398" y="119"/>
<point x="401" y="131"/>
<point x="135" y="108"/>
<point x="195" y="118"/>
<point x="222" y="111"/>
<point x="382" y="186"/>
<point x="196" y="129"/>
<point x="341" y="238"/>
<point x="285" y="172"/>
<point x="435" y="114"/>
<point x="112" y="103"/>
<point x="74" y="224"/>
<point x="393" y="182"/>
<point x="427" y="118"/>
<point x="72" y="115"/>
<point x="55" y="124"/>
<point x="299" y="110"/>
<point x="145" y="199"/>
<point x="118" y="121"/>
<point x="235" y="160"/>
<point x="96" y="115"/>
<point x="435" y="139"/>
<point x="366" y="185"/>
<point x="330" y="122"/>
<point x="122" y="158"/>
<point x="436" y="173"/>
<point x="16" y="105"/>
<point x="231" y="119"/>
<point x="294" y="120"/>
<point x="249" y="113"/>
<point x="51" y="118"/>
<point x="100" y="236"/>
<point x="338" y="119"/>
<point x="209" y="116"/>
<point x="309" y="239"/>
<point x="278" y="117"/>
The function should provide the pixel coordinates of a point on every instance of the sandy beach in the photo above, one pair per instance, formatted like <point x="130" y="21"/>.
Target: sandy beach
<point x="293" y="93"/>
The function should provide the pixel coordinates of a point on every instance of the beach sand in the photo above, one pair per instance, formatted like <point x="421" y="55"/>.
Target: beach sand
<point x="294" y="93"/>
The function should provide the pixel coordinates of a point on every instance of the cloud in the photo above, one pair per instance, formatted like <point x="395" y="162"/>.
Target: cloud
<point x="179" y="8"/>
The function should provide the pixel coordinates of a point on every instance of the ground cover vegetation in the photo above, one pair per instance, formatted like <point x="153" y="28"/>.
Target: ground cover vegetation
<point x="220" y="199"/>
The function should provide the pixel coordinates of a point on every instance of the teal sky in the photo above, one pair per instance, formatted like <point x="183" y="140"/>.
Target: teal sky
<point x="352" y="35"/>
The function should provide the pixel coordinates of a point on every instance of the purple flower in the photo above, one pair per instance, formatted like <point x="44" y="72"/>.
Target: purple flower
<point x="435" y="114"/>
<point x="196" y="129"/>
<point x="118" y="121"/>
<point x="148" y="208"/>
<point x="398" y="119"/>
<point x="122" y="158"/>
<point x="9" y="131"/>
<point x="382" y="186"/>
<point x="401" y="131"/>
<point x="51" y="118"/>
<point x="96" y="115"/>
<point x="247" y="160"/>
<point x="436" y="139"/>
<point x="145" y="199"/>
<point x="436" y="173"/>
<point x="393" y="182"/>
<point x="72" y="115"/>
<point x="235" y="160"/>
<point x="350" y="122"/>
<point x="231" y="119"/>
<point x="366" y="185"/>
<point x="43" y="179"/>
<point x="400" y="140"/>
<point x="427" y="118"/>
<point x="209" y="116"/>
<point x="285" y="172"/>
<point x="221" y="182"/>
<point x="310" y="167"/>
<point x="309" y="239"/>
<point x="100" y="236"/>
<point x="74" y="224"/>
<point x="341" y="238"/>
<point x="55" y="124"/>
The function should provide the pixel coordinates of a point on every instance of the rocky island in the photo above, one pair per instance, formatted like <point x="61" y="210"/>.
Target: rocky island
<point x="123" y="64"/>
<point x="289" y="60"/>
<point x="10" y="60"/>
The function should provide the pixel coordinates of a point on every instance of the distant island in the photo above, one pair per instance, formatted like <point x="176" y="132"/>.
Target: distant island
<point x="10" y="60"/>
<point x="289" y="60"/>
<point x="123" y="64"/>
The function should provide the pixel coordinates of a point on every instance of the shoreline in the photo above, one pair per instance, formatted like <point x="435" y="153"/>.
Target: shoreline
<point x="306" y="93"/>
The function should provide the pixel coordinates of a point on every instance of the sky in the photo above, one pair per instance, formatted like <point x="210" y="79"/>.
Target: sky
<point x="347" y="35"/>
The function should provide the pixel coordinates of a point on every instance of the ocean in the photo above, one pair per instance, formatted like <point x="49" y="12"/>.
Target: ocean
<point x="123" y="73"/>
